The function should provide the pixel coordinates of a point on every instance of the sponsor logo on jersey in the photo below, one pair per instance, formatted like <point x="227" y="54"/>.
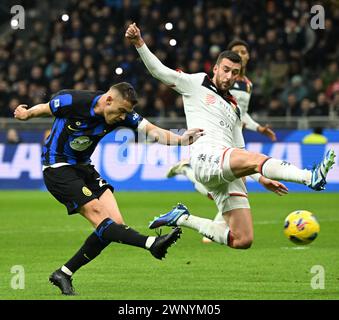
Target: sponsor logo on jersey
<point x="86" y="191"/>
<point x="81" y="143"/>
<point x="210" y="99"/>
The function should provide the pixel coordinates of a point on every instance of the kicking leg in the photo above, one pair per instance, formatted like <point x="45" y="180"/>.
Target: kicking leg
<point x="109" y="231"/>
<point x="109" y="202"/>
<point x="93" y="246"/>
<point x="99" y="212"/>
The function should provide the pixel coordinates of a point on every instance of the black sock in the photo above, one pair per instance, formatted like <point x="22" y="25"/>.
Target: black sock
<point x="90" y="249"/>
<point x="108" y="230"/>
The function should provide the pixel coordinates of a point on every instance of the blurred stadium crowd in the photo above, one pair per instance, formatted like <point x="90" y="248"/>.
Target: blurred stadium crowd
<point x="294" y="68"/>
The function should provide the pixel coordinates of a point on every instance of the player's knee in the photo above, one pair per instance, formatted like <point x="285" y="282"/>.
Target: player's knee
<point x="239" y="240"/>
<point x="94" y="208"/>
<point x="243" y="243"/>
<point x="259" y="159"/>
<point x="246" y="244"/>
<point x="94" y="211"/>
<point x="255" y="160"/>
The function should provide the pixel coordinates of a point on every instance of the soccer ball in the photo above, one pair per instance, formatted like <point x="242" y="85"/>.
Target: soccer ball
<point x="301" y="227"/>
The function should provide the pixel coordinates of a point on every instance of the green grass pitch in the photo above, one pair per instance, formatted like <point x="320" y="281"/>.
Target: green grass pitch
<point x="37" y="234"/>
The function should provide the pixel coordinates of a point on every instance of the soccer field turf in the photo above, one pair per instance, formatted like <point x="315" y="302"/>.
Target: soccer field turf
<point x="37" y="234"/>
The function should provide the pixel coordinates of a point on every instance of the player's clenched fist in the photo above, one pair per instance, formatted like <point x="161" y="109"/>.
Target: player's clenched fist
<point x="21" y="112"/>
<point x="134" y="36"/>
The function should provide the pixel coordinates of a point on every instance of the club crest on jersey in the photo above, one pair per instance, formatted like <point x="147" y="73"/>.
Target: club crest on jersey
<point x="86" y="191"/>
<point x="210" y="99"/>
<point x="81" y="143"/>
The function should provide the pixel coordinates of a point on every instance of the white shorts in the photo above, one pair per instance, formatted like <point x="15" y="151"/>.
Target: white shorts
<point x="230" y="196"/>
<point x="212" y="169"/>
<point x="211" y="166"/>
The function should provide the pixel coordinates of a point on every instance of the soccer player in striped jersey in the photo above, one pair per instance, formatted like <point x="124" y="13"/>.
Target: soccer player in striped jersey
<point x="82" y="119"/>
<point x="218" y="159"/>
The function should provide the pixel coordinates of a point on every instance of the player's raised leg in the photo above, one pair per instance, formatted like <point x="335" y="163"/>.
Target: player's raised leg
<point x="238" y="163"/>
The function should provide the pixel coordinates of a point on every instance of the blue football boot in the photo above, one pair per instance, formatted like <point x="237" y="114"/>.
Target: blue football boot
<point x="320" y="171"/>
<point x="170" y="218"/>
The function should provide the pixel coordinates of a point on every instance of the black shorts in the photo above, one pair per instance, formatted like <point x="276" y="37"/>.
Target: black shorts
<point x="75" y="185"/>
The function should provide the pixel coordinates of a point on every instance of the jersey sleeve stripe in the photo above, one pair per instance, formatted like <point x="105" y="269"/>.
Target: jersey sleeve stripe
<point x="60" y="124"/>
<point x="95" y="100"/>
<point x="60" y="101"/>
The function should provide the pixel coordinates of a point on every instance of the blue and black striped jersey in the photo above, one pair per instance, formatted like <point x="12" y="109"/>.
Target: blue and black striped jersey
<point x="77" y="130"/>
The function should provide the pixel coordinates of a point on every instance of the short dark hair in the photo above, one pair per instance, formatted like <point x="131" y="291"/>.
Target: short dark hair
<point x="127" y="92"/>
<point x="228" y="54"/>
<point x="238" y="42"/>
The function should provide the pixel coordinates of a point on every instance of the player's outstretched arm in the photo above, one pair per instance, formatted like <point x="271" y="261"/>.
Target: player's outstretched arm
<point x="268" y="132"/>
<point x="167" y="137"/>
<point x="152" y="63"/>
<point x="39" y="110"/>
<point x="133" y="34"/>
<point x="250" y="124"/>
<point x="272" y="185"/>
